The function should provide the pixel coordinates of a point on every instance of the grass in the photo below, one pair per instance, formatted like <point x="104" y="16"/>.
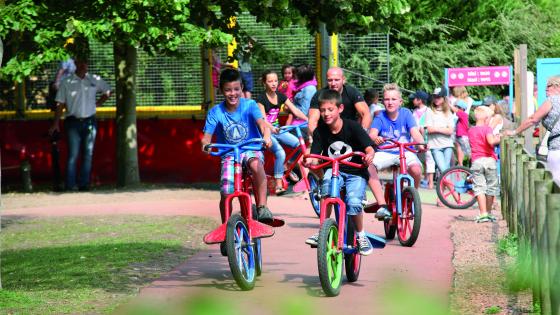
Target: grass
<point x="89" y="264"/>
<point x="508" y="245"/>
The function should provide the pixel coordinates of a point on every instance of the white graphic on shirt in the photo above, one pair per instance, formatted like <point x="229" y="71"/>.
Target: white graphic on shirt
<point x="236" y="132"/>
<point x="339" y="148"/>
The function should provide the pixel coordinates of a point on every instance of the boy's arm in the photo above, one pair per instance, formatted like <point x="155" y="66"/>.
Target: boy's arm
<point x="265" y="131"/>
<point x="368" y="159"/>
<point x="374" y="135"/>
<point x="363" y="112"/>
<point x="206" y="140"/>
<point x="417" y="137"/>
<point x="493" y="139"/>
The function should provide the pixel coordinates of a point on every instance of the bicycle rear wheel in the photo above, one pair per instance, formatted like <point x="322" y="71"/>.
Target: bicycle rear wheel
<point x="352" y="262"/>
<point x="454" y="189"/>
<point x="411" y="217"/>
<point x="329" y="258"/>
<point x="314" y="193"/>
<point x="241" y="256"/>
<point x="389" y="225"/>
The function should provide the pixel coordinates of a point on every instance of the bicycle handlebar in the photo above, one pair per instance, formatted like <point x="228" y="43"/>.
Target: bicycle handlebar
<point x="400" y="145"/>
<point x="341" y="159"/>
<point x="284" y="129"/>
<point x="224" y="148"/>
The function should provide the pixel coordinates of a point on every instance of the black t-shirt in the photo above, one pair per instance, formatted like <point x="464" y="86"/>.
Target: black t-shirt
<point x="350" y="96"/>
<point x="351" y="137"/>
<point x="272" y="110"/>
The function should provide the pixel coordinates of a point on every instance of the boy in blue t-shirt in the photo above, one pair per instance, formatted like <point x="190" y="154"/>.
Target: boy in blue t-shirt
<point x="398" y="124"/>
<point x="234" y="120"/>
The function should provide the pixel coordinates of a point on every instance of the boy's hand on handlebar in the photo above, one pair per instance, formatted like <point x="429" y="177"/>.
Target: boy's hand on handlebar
<point x="378" y="140"/>
<point x="206" y="148"/>
<point x="368" y="158"/>
<point x="267" y="142"/>
<point x="422" y="147"/>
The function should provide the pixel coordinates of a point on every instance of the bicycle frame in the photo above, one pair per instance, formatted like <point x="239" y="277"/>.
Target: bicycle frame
<point x="255" y="228"/>
<point x="297" y="156"/>
<point x="401" y="177"/>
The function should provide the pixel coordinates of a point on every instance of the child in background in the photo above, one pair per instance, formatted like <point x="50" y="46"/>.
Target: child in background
<point x="484" y="166"/>
<point x="288" y="84"/>
<point x="461" y="132"/>
<point x="371" y="97"/>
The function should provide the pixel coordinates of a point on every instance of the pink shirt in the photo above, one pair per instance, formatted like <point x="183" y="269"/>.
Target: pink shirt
<point x="462" y="123"/>
<point x="287" y="88"/>
<point x="479" y="145"/>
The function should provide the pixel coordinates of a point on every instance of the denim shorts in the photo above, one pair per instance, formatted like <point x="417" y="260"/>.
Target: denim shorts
<point x="355" y="190"/>
<point x="247" y="78"/>
<point x="228" y="171"/>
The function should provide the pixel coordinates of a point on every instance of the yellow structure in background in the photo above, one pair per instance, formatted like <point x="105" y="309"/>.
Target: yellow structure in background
<point x="333" y="60"/>
<point x="233" y="45"/>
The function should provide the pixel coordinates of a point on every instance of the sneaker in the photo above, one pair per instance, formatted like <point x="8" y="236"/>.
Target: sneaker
<point x="482" y="218"/>
<point x="364" y="246"/>
<point x="264" y="214"/>
<point x="383" y="213"/>
<point x="313" y="240"/>
<point x="492" y="218"/>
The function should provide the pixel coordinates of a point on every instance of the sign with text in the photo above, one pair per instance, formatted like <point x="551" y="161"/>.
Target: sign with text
<point x="499" y="75"/>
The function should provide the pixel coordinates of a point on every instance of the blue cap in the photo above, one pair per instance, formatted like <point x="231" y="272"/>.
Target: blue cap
<point x="461" y="104"/>
<point x="420" y="95"/>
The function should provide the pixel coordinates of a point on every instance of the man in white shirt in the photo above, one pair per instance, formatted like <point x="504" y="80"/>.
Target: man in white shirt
<point x="77" y="94"/>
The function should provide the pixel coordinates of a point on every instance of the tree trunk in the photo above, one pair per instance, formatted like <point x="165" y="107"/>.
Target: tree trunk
<point x="127" y="145"/>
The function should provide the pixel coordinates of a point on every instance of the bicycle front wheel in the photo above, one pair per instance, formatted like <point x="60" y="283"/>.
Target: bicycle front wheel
<point x="329" y="258"/>
<point x="258" y="256"/>
<point x="411" y="217"/>
<point x="454" y="188"/>
<point x="241" y="256"/>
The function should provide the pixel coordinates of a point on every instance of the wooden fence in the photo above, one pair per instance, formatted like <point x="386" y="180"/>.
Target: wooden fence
<point x="531" y="207"/>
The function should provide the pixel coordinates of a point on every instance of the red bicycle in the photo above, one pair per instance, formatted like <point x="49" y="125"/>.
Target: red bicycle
<point x="240" y="232"/>
<point x="403" y="200"/>
<point x="308" y="181"/>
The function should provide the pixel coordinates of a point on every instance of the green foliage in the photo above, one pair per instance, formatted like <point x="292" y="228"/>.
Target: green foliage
<point x="468" y="34"/>
<point x="493" y="310"/>
<point x="508" y="245"/>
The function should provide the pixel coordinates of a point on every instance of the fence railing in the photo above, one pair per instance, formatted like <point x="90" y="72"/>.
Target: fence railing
<point x="531" y="207"/>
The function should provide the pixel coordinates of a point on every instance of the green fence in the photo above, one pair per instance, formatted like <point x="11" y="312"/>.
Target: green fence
<point x="531" y="207"/>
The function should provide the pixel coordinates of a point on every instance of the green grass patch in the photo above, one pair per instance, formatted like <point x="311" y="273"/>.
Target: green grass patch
<point x="89" y="264"/>
<point x="492" y="310"/>
<point x="508" y="245"/>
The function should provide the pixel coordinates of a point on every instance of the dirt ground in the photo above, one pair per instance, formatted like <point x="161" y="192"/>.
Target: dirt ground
<point x="479" y="280"/>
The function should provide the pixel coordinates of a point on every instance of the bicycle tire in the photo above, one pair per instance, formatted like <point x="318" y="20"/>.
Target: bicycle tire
<point x="352" y="262"/>
<point x="447" y="177"/>
<point x="241" y="257"/>
<point x="314" y="193"/>
<point x="258" y="256"/>
<point x="388" y="225"/>
<point x="329" y="259"/>
<point x="412" y="211"/>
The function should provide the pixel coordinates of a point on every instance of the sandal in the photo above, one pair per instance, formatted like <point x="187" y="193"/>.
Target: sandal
<point x="280" y="191"/>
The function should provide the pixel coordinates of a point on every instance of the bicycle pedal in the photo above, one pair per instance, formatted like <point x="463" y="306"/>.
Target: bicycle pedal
<point x="313" y="246"/>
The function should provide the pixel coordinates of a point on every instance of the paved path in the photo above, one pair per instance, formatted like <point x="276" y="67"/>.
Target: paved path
<point x="290" y="268"/>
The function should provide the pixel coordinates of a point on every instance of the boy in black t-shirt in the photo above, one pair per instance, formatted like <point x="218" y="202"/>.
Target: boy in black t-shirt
<point x="336" y="137"/>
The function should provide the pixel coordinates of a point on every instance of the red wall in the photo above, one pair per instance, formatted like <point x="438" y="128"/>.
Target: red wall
<point x="168" y="152"/>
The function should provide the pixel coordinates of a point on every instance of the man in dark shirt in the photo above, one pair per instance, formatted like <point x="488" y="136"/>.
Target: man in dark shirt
<point x="336" y="137"/>
<point x="355" y="108"/>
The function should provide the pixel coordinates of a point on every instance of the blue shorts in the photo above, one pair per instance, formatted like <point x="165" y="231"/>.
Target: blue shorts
<point x="247" y="78"/>
<point x="355" y="190"/>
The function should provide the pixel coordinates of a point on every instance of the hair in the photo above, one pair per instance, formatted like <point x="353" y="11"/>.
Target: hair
<point x="370" y="95"/>
<point x="229" y="75"/>
<point x="446" y="109"/>
<point x="305" y="73"/>
<point x="483" y="110"/>
<point x="553" y="80"/>
<point x="498" y="110"/>
<point x="286" y="66"/>
<point x="392" y="87"/>
<point x="460" y="92"/>
<point x="329" y="96"/>
<point x="265" y="74"/>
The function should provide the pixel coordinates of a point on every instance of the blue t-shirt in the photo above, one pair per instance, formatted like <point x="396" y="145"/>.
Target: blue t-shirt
<point x="234" y="127"/>
<point x="398" y="129"/>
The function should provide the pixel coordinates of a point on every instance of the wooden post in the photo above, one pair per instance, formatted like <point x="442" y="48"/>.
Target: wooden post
<point x="528" y="166"/>
<point x="207" y="84"/>
<point x="542" y="188"/>
<point x="512" y="181"/>
<point x="553" y="231"/>
<point x="542" y="245"/>
<point x="520" y="159"/>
